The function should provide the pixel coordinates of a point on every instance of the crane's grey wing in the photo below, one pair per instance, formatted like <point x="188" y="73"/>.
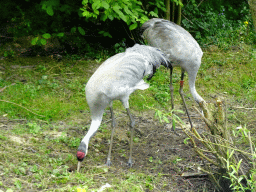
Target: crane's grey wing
<point x="123" y="73"/>
<point x="155" y="56"/>
<point x="173" y="40"/>
<point x="118" y="77"/>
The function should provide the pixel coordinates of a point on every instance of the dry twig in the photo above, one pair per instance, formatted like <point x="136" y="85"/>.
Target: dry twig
<point x="21" y="107"/>
<point x="1" y="90"/>
<point x="219" y="143"/>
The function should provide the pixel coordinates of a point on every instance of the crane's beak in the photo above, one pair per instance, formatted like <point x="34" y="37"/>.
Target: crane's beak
<point x="79" y="166"/>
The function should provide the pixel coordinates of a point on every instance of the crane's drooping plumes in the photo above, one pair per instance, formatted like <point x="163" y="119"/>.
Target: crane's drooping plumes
<point x="116" y="79"/>
<point x="181" y="49"/>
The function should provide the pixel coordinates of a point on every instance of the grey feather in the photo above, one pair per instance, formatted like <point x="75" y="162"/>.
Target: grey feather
<point x="116" y="79"/>
<point x="181" y="49"/>
<point x="122" y="74"/>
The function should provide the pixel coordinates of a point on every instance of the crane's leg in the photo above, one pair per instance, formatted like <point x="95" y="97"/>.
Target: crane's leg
<point x="113" y="125"/>
<point x="182" y="96"/>
<point x="171" y="87"/>
<point x="172" y="100"/>
<point x="130" y="162"/>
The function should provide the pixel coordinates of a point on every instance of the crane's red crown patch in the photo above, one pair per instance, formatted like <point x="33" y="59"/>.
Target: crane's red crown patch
<point x="80" y="155"/>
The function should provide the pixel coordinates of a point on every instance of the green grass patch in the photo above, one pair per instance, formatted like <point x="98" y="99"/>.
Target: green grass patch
<point x="56" y="90"/>
<point x="39" y="153"/>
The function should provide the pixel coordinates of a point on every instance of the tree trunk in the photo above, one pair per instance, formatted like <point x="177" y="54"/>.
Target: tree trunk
<point x="179" y="14"/>
<point x="173" y="11"/>
<point x="168" y="11"/>
<point x="252" y="5"/>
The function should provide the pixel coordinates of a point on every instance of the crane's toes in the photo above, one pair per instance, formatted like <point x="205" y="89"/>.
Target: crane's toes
<point x="130" y="163"/>
<point x="132" y="124"/>
<point x="108" y="163"/>
<point x="171" y="128"/>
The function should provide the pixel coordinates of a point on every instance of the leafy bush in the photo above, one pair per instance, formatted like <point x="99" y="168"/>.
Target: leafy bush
<point x="218" y="23"/>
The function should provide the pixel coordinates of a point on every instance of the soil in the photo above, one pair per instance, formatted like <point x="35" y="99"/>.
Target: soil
<point x="159" y="150"/>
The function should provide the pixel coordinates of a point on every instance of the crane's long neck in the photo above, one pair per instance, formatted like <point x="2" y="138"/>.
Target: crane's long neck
<point x="95" y="124"/>
<point x="195" y="95"/>
<point x="192" y="79"/>
<point x="83" y="147"/>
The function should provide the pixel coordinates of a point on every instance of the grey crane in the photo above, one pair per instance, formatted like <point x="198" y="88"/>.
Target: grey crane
<point x="116" y="79"/>
<point x="181" y="49"/>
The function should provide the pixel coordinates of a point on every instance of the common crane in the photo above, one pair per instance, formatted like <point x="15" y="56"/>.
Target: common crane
<point x="116" y="79"/>
<point x="181" y="49"/>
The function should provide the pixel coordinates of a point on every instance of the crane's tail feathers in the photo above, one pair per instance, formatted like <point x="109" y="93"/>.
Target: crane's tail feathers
<point x="153" y="55"/>
<point x="142" y="85"/>
<point x="150" y="23"/>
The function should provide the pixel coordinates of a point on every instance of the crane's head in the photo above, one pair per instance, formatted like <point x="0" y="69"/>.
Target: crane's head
<point x="81" y="153"/>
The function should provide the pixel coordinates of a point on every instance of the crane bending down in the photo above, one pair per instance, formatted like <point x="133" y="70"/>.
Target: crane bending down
<point x="181" y="49"/>
<point x="116" y="79"/>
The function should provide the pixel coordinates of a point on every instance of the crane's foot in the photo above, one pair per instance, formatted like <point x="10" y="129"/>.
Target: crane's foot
<point x="108" y="163"/>
<point x="130" y="163"/>
<point x="172" y="128"/>
<point x="132" y="124"/>
<point x="175" y="132"/>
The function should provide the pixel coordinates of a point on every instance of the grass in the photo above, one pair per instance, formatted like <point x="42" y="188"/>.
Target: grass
<point x="40" y="157"/>
<point x="46" y="115"/>
<point x="56" y="91"/>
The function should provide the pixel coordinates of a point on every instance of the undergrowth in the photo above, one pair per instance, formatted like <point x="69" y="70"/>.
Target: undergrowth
<point x="39" y="91"/>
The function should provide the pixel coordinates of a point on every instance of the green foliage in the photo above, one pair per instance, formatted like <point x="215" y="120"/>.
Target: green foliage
<point x="70" y="141"/>
<point x="130" y="11"/>
<point x="105" y="34"/>
<point x="9" y="54"/>
<point x="176" y="160"/>
<point x="186" y="140"/>
<point x="50" y="5"/>
<point x="119" y="47"/>
<point x="223" y="24"/>
<point x="41" y="41"/>
<point x="241" y="182"/>
<point x="218" y="23"/>
<point x="33" y="128"/>
<point x="56" y="90"/>
<point x="43" y="20"/>
<point x="81" y="30"/>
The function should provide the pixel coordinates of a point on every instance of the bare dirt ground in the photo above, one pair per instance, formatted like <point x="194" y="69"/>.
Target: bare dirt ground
<point x="159" y="151"/>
